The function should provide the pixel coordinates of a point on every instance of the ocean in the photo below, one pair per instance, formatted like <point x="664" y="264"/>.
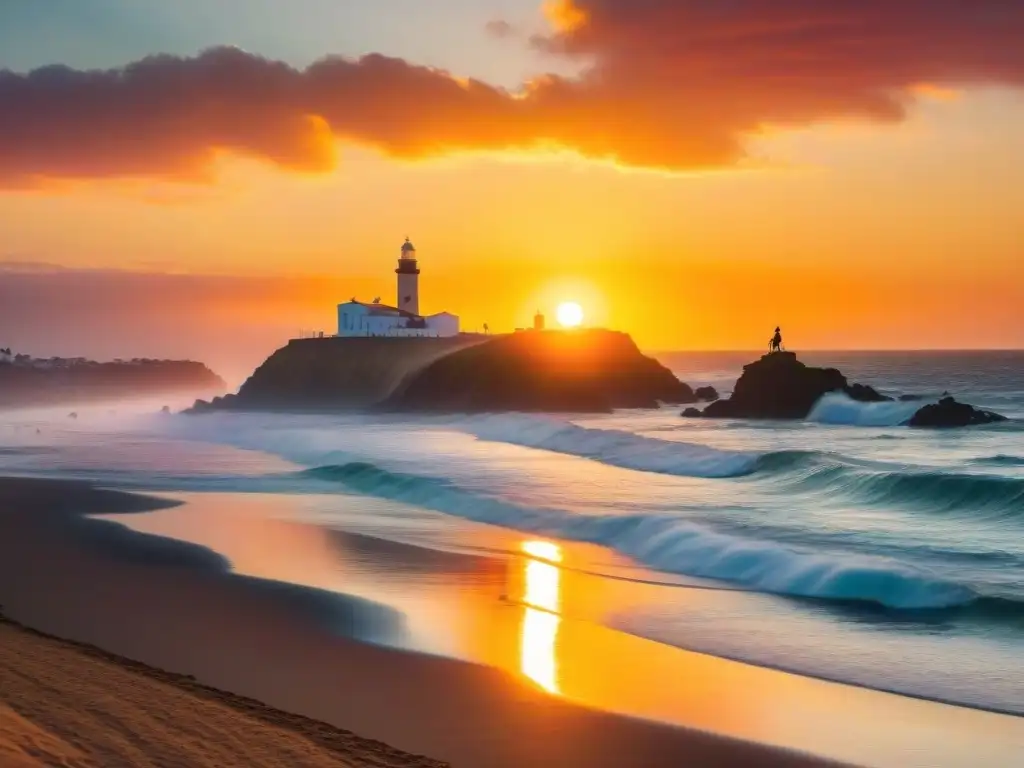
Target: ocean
<point x="843" y="547"/>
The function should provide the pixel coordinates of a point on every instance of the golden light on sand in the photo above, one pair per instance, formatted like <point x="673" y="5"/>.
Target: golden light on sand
<point x="540" y="620"/>
<point x="569" y="314"/>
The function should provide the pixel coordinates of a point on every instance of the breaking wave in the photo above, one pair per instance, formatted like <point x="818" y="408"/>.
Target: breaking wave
<point x="838" y="408"/>
<point x="670" y="544"/>
<point x="971" y="495"/>
<point x="617" y="448"/>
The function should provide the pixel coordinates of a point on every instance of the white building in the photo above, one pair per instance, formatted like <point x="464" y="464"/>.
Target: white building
<point x="357" y="318"/>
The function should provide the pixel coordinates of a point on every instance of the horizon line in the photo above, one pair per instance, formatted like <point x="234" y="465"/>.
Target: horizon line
<point x="876" y="350"/>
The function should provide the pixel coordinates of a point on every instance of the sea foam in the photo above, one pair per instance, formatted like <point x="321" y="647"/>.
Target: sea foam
<point x="838" y="408"/>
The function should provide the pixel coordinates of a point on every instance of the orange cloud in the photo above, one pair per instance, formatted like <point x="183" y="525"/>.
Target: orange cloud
<point x="564" y="15"/>
<point x="936" y="93"/>
<point x="677" y="84"/>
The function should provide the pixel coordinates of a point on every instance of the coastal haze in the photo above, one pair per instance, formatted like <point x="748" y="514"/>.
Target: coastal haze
<point x="505" y="497"/>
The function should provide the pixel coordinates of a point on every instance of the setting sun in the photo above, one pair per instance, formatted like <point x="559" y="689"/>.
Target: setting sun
<point x="570" y="314"/>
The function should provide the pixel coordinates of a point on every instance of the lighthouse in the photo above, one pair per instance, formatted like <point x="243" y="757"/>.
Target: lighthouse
<point x="359" y="318"/>
<point x="408" y="279"/>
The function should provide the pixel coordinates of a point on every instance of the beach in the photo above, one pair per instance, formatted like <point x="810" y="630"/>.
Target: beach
<point x="72" y="704"/>
<point x="512" y="384"/>
<point x="179" y="609"/>
<point x="530" y="589"/>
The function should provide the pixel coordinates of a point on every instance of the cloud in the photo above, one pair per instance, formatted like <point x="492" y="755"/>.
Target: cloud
<point x="716" y="70"/>
<point x="500" y="29"/>
<point x="675" y="84"/>
<point x="170" y="116"/>
<point x="565" y="15"/>
<point x="14" y="264"/>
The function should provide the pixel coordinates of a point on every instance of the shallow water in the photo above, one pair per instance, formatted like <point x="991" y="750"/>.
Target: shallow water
<point x="537" y="617"/>
<point x="845" y="547"/>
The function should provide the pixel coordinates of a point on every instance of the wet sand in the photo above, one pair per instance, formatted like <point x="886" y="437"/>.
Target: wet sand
<point x="177" y="607"/>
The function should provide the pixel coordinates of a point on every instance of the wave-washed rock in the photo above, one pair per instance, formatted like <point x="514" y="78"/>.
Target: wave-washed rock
<point x="778" y="386"/>
<point x="706" y="394"/>
<point x="948" y="412"/>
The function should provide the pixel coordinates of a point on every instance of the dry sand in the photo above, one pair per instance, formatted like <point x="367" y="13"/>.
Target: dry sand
<point x="69" y="704"/>
<point x="177" y="607"/>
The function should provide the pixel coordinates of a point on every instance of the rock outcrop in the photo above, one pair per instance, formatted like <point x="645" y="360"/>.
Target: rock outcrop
<point x="948" y="412"/>
<point x="778" y="386"/>
<point x="864" y="394"/>
<point x="706" y="394"/>
<point x="582" y="370"/>
<point x="219" y="403"/>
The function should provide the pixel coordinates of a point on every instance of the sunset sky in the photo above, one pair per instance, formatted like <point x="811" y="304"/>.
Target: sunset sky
<point x="206" y="177"/>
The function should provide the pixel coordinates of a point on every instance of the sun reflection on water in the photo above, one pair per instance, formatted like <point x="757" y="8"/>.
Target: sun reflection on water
<point x="540" y="618"/>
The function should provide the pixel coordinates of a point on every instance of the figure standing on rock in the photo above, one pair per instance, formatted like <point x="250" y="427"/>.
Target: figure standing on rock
<point x="775" y="345"/>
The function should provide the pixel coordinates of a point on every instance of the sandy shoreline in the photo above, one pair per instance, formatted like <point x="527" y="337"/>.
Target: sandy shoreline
<point x="177" y="607"/>
<point x="154" y="718"/>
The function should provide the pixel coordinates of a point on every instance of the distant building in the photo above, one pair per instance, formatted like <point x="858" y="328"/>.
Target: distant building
<point x="538" y="321"/>
<point x="358" y="318"/>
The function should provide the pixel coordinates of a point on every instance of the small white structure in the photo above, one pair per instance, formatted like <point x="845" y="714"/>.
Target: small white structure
<point x="443" y="324"/>
<point x="357" y="318"/>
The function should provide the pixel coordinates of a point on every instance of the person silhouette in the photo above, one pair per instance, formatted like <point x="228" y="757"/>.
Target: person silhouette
<point x="776" y="342"/>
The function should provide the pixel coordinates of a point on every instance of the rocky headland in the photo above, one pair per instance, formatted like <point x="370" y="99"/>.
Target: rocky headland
<point x="587" y="370"/>
<point x="336" y="373"/>
<point x="34" y="382"/>
<point x="556" y="371"/>
<point x="779" y="386"/>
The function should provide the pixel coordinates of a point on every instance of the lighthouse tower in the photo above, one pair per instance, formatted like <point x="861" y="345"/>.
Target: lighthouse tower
<point x="408" y="279"/>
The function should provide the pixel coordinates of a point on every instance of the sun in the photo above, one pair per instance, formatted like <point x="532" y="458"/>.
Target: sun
<point x="570" y="314"/>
